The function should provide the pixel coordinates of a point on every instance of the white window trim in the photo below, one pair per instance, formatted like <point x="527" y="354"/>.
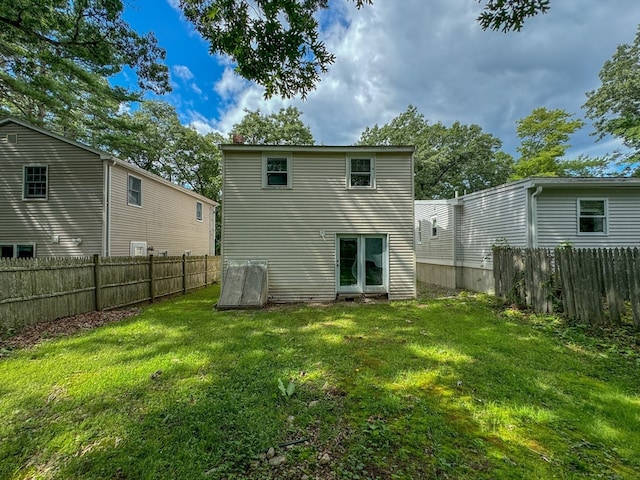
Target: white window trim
<point x="606" y="217"/>
<point x="366" y="156"/>
<point x="24" y="183"/>
<point x="287" y="156"/>
<point x="15" y="246"/>
<point x="128" y="188"/>
<point x="433" y="221"/>
<point x="199" y="212"/>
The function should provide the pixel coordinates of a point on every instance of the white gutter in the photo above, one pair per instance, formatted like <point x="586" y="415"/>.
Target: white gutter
<point x="106" y="216"/>
<point x="532" y="235"/>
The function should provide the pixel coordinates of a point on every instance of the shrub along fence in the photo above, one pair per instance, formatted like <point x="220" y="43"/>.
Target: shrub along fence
<point x="596" y="286"/>
<point x="43" y="289"/>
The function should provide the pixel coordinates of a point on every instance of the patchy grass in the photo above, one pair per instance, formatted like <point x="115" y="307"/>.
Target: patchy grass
<point x="442" y="387"/>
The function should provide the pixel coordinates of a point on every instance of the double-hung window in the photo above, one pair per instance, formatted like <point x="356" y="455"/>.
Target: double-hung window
<point x="276" y="171"/>
<point x="361" y="172"/>
<point x="35" y="182"/>
<point x="134" y="195"/>
<point x="592" y="216"/>
<point x="199" y="211"/>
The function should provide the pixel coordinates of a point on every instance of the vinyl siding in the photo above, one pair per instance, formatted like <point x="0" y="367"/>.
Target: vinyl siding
<point x="166" y="220"/>
<point x="557" y="217"/>
<point x="73" y="208"/>
<point x="284" y="226"/>
<point x="441" y="248"/>
<point x="490" y="217"/>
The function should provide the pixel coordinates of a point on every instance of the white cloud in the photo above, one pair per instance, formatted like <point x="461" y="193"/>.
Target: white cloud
<point x="435" y="56"/>
<point x="182" y="72"/>
<point x="195" y="88"/>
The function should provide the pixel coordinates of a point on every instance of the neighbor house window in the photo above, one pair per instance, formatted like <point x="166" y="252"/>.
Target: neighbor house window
<point x="592" y="216"/>
<point x="18" y="250"/>
<point x="135" y="191"/>
<point x="35" y="182"/>
<point x="434" y="227"/>
<point x="199" y="211"/>
<point x="276" y="171"/>
<point x="361" y="172"/>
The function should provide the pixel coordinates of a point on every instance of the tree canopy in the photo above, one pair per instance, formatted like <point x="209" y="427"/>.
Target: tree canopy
<point x="56" y="56"/>
<point x="277" y="44"/>
<point x="282" y="128"/>
<point x="545" y="138"/>
<point x="615" y="105"/>
<point x="459" y="158"/>
<point x="161" y="144"/>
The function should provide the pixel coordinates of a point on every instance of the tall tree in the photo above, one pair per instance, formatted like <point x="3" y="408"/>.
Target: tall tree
<point x="615" y="105"/>
<point x="451" y="159"/>
<point x="544" y="138"/>
<point x="277" y="44"/>
<point x="162" y="145"/>
<point x="282" y="128"/>
<point x="56" y="55"/>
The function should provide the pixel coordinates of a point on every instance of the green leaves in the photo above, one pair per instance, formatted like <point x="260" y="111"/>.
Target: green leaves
<point x="545" y="139"/>
<point x="282" y="128"/>
<point x="289" y="390"/>
<point x="615" y="105"/>
<point x="54" y="59"/>
<point x="507" y="15"/>
<point x="447" y="159"/>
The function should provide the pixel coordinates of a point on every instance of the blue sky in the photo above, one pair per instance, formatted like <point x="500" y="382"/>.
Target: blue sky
<point x="429" y="53"/>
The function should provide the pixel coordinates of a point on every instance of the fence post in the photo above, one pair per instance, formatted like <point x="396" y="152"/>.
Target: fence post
<point x="151" y="278"/>
<point x="96" y="281"/>
<point x="184" y="274"/>
<point x="206" y="270"/>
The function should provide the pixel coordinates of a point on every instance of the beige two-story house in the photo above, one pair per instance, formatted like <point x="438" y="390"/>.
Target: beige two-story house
<point x="62" y="198"/>
<point x="329" y="221"/>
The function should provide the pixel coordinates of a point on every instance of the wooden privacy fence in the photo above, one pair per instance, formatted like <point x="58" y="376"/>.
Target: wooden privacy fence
<point x="596" y="286"/>
<point x="43" y="289"/>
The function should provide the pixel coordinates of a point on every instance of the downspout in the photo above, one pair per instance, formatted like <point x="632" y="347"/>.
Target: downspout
<point x="532" y="227"/>
<point x="106" y="237"/>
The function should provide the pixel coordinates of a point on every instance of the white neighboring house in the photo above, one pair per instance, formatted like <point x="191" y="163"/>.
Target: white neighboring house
<point x="330" y="221"/>
<point x="454" y="238"/>
<point x="62" y="198"/>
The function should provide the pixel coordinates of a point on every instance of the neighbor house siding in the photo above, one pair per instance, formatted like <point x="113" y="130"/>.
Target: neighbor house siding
<point x="286" y="226"/>
<point x="439" y="249"/>
<point x="495" y="216"/>
<point x="73" y="208"/>
<point x="166" y="220"/>
<point x="557" y="217"/>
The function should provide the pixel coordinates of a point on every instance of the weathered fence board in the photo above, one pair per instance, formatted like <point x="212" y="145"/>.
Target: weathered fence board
<point x="594" y="285"/>
<point x="37" y="290"/>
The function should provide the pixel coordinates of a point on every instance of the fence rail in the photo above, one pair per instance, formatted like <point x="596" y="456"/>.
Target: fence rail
<point x="43" y="289"/>
<point x="596" y="286"/>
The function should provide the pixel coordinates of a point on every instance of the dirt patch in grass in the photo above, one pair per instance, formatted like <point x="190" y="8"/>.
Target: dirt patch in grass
<point x="34" y="334"/>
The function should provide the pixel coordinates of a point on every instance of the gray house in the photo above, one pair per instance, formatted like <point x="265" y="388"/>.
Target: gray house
<point x="330" y="221"/>
<point x="454" y="238"/>
<point x="62" y="198"/>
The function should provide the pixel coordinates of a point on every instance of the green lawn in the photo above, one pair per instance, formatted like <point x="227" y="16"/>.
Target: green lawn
<point x="435" y="388"/>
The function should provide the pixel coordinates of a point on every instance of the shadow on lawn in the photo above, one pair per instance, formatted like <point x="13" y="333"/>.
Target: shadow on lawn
<point x="442" y="390"/>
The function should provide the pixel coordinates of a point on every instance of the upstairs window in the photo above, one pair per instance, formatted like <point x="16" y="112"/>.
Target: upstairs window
<point x="35" y="182"/>
<point x="592" y="216"/>
<point x="199" y="211"/>
<point x="361" y="172"/>
<point x="134" y="196"/>
<point x="276" y="171"/>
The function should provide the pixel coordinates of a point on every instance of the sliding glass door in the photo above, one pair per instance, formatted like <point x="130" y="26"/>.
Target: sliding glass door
<point x="361" y="265"/>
